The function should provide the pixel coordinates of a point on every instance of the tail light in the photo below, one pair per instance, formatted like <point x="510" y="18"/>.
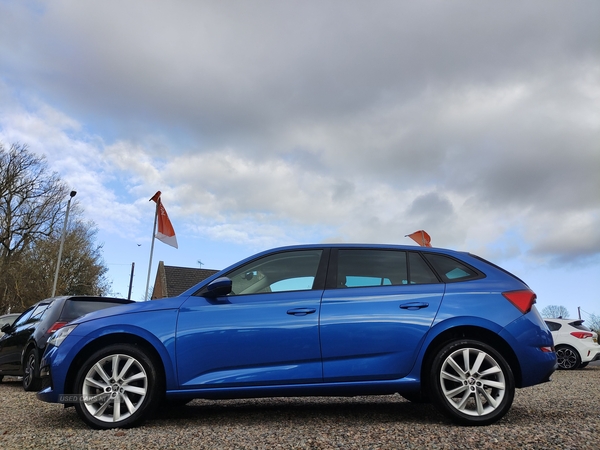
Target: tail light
<point x="56" y="326"/>
<point x="581" y="334"/>
<point x="523" y="300"/>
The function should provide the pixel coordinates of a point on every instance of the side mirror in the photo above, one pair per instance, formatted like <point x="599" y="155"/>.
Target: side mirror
<point x="7" y="328"/>
<point x="218" y="288"/>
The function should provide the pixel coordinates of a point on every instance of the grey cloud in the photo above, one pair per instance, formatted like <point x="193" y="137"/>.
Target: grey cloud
<point x="374" y="117"/>
<point x="222" y="69"/>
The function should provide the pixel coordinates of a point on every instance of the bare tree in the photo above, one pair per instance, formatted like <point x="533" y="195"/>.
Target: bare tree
<point x="555" y="312"/>
<point x="594" y="323"/>
<point x="31" y="219"/>
<point x="30" y="200"/>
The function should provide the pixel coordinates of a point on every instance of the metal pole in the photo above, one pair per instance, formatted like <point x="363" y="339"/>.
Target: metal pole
<point x="131" y="280"/>
<point x="62" y="242"/>
<point x="151" y="252"/>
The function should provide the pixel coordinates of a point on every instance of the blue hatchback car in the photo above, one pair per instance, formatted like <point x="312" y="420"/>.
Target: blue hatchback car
<point x="312" y="320"/>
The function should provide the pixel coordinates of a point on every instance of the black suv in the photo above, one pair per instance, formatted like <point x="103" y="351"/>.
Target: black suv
<point x="24" y="341"/>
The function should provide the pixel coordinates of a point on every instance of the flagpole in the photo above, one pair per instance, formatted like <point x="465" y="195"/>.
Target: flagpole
<point x="151" y="250"/>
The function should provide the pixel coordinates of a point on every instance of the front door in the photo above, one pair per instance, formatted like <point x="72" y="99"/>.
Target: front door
<point x="264" y="333"/>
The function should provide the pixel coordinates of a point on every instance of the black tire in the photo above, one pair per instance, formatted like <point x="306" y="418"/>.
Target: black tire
<point x="120" y="386"/>
<point x="583" y="365"/>
<point x="567" y="357"/>
<point x="471" y="383"/>
<point x="31" y="381"/>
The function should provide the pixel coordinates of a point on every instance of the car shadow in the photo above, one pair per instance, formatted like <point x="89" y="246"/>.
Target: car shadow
<point x="251" y="412"/>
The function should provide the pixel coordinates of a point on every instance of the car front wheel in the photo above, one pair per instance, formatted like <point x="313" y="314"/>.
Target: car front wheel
<point x="567" y="357"/>
<point x="471" y="383"/>
<point x="119" y="386"/>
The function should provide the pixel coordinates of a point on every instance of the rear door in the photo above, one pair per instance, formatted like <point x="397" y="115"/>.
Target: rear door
<point x="377" y="308"/>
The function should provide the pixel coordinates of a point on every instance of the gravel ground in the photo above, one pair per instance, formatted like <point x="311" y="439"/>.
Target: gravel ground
<point x="562" y="414"/>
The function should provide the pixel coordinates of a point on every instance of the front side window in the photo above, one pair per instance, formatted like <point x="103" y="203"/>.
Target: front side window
<point x="23" y="318"/>
<point x="281" y="272"/>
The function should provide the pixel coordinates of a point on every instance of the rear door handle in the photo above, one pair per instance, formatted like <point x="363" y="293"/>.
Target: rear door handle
<point x="301" y="311"/>
<point x="414" y="305"/>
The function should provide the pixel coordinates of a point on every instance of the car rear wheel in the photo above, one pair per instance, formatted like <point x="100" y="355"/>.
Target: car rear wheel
<point x="471" y="383"/>
<point x="119" y="387"/>
<point x="30" y="381"/>
<point x="567" y="357"/>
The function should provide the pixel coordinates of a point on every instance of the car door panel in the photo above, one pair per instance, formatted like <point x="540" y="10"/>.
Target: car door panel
<point x="255" y="339"/>
<point x="371" y="333"/>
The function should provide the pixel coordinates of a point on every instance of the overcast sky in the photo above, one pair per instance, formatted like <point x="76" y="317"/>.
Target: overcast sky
<point x="268" y="123"/>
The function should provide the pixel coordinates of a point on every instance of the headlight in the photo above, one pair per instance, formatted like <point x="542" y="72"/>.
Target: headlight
<point x="60" y="335"/>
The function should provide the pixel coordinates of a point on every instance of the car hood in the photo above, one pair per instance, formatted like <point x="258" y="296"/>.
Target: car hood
<point x="137" y="307"/>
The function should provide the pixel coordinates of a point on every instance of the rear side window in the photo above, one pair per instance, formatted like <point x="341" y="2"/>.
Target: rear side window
<point x="363" y="267"/>
<point x="39" y="312"/>
<point x="374" y="267"/>
<point x="420" y="272"/>
<point x="74" y="309"/>
<point x="450" y="269"/>
<point x="553" y="326"/>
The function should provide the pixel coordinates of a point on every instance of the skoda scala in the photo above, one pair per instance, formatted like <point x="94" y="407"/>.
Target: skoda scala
<point x="314" y="320"/>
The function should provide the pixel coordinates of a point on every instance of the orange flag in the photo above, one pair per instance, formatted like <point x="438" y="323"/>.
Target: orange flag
<point x="421" y="237"/>
<point x="165" y="232"/>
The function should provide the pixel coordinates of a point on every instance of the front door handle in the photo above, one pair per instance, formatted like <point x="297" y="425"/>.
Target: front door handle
<point x="414" y="305"/>
<point x="301" y="311"/>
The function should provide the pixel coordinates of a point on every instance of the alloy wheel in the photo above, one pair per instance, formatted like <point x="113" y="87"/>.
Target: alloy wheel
<point x="114" y="388"/>
<point x="567" y="358"/>
<point x="472" y="381"/>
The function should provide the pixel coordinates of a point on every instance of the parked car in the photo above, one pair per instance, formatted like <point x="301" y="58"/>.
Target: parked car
<point x="7" y="319"/>
<point x="576" y="345"/>
<point x="312" y="320"/>
<point x="24" y="341"/>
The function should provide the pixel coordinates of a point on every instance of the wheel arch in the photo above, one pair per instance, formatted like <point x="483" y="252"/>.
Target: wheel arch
<point x="469" y="332"/>
<point x="31" y="345"/>
<point x="110" y="339"/>
<point x="561" y="345"/>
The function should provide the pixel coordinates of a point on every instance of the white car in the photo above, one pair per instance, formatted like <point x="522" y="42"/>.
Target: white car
<point x="576" y="345"/>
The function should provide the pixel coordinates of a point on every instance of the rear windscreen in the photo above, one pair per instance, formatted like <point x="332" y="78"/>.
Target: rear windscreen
<point x="77" y="308"/>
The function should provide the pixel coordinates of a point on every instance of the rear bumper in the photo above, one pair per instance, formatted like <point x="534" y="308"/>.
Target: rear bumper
<point x="532" y="345"/>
